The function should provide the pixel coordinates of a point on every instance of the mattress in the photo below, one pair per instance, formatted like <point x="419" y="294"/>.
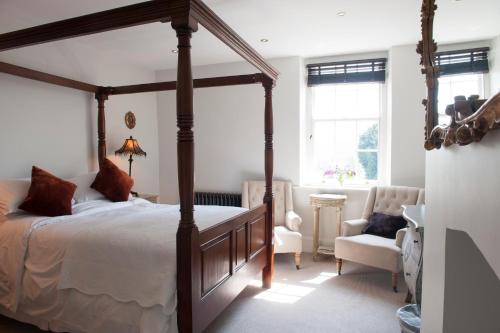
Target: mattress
<point x="109" y="267"/>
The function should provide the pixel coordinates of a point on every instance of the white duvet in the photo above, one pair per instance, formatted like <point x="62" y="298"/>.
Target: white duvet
<point x="125" y="251"/>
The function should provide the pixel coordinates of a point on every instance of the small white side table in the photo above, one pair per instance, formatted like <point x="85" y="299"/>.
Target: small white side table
<point x="325" y="200"/>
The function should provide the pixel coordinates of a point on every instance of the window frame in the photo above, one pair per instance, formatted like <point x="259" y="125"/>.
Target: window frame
<point x="307" y="179"/>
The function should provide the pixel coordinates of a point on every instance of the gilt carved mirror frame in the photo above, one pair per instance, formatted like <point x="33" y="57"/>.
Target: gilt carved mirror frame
<point x="471" y="118"/>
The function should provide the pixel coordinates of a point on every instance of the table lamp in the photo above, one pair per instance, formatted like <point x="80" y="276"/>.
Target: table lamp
<point x="130" y="148"/>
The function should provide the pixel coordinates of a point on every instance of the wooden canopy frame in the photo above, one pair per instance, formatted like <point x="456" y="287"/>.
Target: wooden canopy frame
<point x="214" y="265"/>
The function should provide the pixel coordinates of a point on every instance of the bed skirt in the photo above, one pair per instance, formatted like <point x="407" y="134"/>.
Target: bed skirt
<point x="75" y="312"/>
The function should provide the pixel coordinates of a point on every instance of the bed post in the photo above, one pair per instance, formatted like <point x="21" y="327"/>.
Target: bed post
<point x="267" y="273"/>
<point x="101" y="96"/>
<point x="188" y="256"/>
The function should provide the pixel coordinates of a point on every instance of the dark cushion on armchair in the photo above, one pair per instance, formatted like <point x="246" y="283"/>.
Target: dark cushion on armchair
<point x="384" y="225"/>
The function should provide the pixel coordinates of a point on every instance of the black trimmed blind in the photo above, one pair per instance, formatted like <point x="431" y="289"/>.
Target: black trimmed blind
<point x="369" y="70"/>
<point x="462" y="61"/>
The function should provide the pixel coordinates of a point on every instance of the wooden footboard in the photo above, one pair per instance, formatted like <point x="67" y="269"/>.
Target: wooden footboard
<point x="229" y="255"/>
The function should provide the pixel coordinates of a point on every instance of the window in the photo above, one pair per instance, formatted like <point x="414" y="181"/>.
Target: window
<point x="345" y="104"/>
<point x="455" y="85"/>
<point x="461" y="72"/>
<point x="344" y="126"/>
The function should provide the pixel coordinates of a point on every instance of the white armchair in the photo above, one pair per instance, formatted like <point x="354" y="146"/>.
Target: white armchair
<point x="373" y="250"/>
<point x="287" y="236"/>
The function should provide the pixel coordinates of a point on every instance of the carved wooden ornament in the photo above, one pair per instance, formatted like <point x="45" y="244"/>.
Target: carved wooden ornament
<point x="471" y="118"/>
<point x="130" y="120"/>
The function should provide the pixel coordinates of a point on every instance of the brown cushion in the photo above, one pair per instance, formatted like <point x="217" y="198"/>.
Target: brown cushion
<point x="48" y="195"/>
<point x="112" y="182"/>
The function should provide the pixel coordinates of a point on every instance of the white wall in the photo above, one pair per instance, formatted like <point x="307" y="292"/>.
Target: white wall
<point x="406" y="117"/>
<point x="29" y="134"/>
<point x="494" y="57"/>
<point x="462" y="185"/>
<point x="55" y="127"/>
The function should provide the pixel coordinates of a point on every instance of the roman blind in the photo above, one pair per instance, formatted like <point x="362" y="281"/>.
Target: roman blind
<point x="369" y="70"/>
<point x="462" y="61"/>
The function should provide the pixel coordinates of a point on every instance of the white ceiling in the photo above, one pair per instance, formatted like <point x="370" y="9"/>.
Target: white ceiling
<point x="307" y="28"/>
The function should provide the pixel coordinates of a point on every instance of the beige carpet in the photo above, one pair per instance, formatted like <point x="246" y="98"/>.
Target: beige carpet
<point x="313" y="299"/>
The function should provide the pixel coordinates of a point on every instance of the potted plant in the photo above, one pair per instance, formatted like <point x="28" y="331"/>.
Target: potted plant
<point x="341" y="174"/>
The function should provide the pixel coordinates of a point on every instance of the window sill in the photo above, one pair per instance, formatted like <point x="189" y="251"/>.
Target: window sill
<point x="335" y="187"/>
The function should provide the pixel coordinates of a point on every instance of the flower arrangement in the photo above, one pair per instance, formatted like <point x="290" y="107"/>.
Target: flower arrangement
<point x="340" y="174"/>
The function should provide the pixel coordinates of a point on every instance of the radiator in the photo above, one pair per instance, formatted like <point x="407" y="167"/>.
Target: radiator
<point x="217" y="199"/>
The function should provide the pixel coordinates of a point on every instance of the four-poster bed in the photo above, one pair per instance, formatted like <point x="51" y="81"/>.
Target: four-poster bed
<point x="213" y="265"/>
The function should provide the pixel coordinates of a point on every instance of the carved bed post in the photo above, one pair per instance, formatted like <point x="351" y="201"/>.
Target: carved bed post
<point x="188" y="256"/>
<point x="267" y="273"/>
<point x="101" y="96"/>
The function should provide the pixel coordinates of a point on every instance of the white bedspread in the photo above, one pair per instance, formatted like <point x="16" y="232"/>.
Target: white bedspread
<point x="122" y="250"/>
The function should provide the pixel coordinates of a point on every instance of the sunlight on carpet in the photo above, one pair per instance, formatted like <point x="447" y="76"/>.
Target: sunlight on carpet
<point x="282" y="292"/>
<point x="322" y="277"/>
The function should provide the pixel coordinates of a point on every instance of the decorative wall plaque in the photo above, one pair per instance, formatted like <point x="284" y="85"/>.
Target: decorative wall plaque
<point x="130" y="120"/>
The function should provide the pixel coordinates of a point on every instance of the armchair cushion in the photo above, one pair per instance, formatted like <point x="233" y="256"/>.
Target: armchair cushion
<point x="287" y="241"/>
<point x="293" y="221"/>
<point x="384" y="225"/>
<point x="353" y="227"/>
<point x="253" y="195"/>
<point x="370" y="250"/>
<point x="388" y="199"/>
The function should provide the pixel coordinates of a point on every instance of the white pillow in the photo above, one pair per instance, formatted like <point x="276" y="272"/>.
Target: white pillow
<point x="12" y="194"/>
<point x="83" y="191"/>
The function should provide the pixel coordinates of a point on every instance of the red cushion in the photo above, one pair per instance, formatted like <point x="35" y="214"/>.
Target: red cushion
<point x="48" y="195"/>
<point x="112" y="182"/>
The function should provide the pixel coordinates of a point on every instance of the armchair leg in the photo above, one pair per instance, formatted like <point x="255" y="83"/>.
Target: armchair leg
<point x="297" y="260"/>
<point x="339" y="266"/>
<point x="395" y="282"/>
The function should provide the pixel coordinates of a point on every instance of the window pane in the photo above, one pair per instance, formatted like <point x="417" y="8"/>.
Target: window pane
<point x="345" y="144"/>
<point x="457" y="85"/>
<point x="369" y="162"/>
<point x="323" y="101"/>
<point x="323" y="144"/>
<point x="345" y="101"/>
<point x="368" y="101"/>
<point x="464" y="87"/>
<point x="367" y="134"/>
